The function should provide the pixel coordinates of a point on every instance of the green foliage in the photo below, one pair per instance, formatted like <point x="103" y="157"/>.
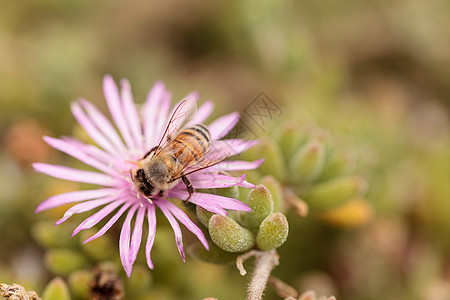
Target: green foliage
<point x="79" y="283"/>
<point x="229" y="235"/>
<point x="259" y="228"/>
<point x="203" y="215"/>
<point x="273" y="232"/>
<point x="308" y="162"/>
<point x="48" y="235"/>
<point x="273" y="164"/>
<point x="260" y="201"/>
<point x="276" y="190"/>
<point x="140" y="281"/>
<point x="375" y="76"/>
<point x="334" y="192"/>
<point x="64" y="261"/>
<point x="56" y="290"/>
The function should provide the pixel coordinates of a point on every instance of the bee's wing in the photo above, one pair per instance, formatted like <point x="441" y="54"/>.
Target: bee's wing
<point x="212" y="157"/>
<point x="178" y="117"/>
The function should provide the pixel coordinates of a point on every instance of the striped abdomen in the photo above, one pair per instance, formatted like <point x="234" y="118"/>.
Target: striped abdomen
<point x="191" y="143"/>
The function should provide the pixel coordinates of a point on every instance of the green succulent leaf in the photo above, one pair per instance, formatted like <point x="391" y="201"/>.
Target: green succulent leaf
<point x="273" y="232"/>
<point x="79" y="283"/>
<point x="339" y="163"/>
<point x="335" y="192"/>
<point x="275" y="189"/>
<point x="273" y="163"/>
<point x="63" y="261"/>
<point x="260" y="201"/>
<point x="56" y="290"/>
<point x="139" y="282"/>
<point x="288" y="137"/>
<point x="229" y="235"/>
<point x="203" y="215"/>
<point x="308" y="162"/>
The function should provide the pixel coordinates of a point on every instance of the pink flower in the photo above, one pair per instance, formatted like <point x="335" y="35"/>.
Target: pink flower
<point x="139" y="129"/>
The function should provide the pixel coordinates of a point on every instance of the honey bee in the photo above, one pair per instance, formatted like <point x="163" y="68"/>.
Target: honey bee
<point x="179" y="153"/>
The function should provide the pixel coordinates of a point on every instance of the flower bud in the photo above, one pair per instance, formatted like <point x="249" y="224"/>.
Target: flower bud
<point x="63" y="261"/>
<point x="229" y="235"/>
<point x="273" y="232"/>
<point x="308" y="162"/>
<point x="79" y="282"/>
<point x="354" y="213"/>
<point x="260" y="201"/>
<point x="335" y="192"/>
<point x="275" y="189"/>
<point x="56" y="290"/>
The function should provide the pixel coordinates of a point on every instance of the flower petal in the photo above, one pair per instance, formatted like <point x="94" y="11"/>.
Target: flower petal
<point x="103" y="124"/>
<point x="76" y="196"/>
<point x="220" y="127"/>
<point x="115" y="108"/>
<point x="75" y="174"/>
<point x="184" y="219"/>
<point x="98" y="216"/>
<point x="124" y="241"/>
<point x="210" y="181"/>
<point x="237" y="165"/>
<point x="151" y="217"/>
<point x="91" y="129"/>
<point x="211" y="201"/>
<point x="233" y="146"/>
<point x="202" y="113"/>
<point x="136" y="238"/>
<point x="131" y="115"/>
<point x="108" y="224"/>
<point x="86" y="206"/>
<point x="98" y="154"/>
<point x="79" y="154"/>
<point x="150" y="112"/>
<point x="162" y="120"/>
<point x="209" y="206"/>
<point x="173" y="222"/>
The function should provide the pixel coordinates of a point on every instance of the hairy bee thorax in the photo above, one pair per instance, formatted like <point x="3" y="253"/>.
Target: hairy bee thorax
<point x="162" y="166"/>
<point x="158" y="170"/>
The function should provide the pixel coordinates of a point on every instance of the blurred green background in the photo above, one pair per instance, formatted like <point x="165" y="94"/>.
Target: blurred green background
<point x="374" y="74"/>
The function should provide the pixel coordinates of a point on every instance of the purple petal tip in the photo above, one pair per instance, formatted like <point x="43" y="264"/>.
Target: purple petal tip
<point x="74" y="233"/>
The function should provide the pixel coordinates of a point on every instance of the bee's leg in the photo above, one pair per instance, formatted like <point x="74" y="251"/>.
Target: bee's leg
<point x="150" y="152"/>
<point x="161" y="193"/>
<point x="189" y="186"/>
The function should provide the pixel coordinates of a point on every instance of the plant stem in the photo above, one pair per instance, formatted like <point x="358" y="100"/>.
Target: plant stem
<point x="265" y="262"/>
<point x="283" y="289"/>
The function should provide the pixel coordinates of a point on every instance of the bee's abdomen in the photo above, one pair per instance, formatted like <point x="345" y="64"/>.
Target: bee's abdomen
<point x="193" y="142"/>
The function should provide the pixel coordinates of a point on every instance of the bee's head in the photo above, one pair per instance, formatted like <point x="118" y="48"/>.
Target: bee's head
<point x="142" y="184"/>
